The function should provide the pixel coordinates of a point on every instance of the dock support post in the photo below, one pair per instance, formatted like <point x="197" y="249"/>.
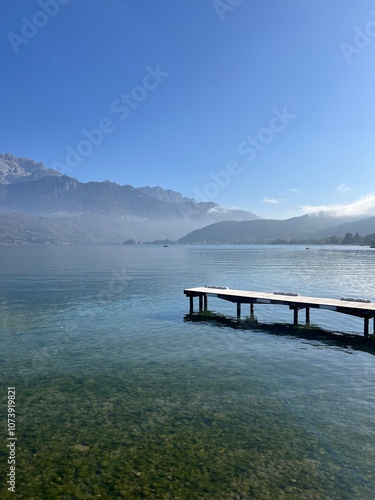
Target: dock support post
<point x="252" y="309"/>
<point x="307" y="315"/>
<point x="238" y="310"/>
<point x="205" y="302"/>
<point x="200" y="303"/>
<point x="366" y="321"/>
<point x="191" y="299"/>
<point x="295" y="316"/>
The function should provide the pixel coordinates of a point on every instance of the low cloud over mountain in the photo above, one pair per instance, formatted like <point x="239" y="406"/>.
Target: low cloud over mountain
<point x="364" y="206"/>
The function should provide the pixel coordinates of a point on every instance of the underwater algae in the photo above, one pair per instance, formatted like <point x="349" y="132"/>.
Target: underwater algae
<point x="168" y="431"/>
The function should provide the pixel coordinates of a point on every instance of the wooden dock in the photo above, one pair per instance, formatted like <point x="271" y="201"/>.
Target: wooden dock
<point x="354" y="307"/>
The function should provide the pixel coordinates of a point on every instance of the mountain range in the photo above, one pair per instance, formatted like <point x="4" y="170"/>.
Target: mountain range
<point x="306" y="228"/>
<point x="40" y="205"/>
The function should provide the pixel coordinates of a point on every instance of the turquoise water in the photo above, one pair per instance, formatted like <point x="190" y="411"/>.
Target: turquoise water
<point x="122" y="394"/>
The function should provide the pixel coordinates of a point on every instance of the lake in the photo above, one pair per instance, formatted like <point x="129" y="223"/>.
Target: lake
<point x="120" y="393"/>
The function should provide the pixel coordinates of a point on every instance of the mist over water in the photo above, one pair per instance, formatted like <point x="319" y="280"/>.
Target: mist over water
<point x="120" y="394"/>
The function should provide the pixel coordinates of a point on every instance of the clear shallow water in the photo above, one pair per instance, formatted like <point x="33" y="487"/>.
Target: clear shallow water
<point x="121" y="394"/>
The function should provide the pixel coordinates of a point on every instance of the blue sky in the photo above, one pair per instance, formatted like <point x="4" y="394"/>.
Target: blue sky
<point x="265" y="105"/>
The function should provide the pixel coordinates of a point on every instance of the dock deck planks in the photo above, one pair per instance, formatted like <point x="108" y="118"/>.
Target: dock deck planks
<point x="365" y="310"/>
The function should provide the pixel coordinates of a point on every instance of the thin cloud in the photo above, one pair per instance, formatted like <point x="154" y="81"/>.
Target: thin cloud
<point x="221" y="210"/>
<point x="293" y="190"/>
<point x="271" y="201"/>
<point x="364" y="206"/>
<point x="342" y="187"/>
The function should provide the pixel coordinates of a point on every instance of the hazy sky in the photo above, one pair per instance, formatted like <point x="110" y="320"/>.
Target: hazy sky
<point x="266" y="105"/>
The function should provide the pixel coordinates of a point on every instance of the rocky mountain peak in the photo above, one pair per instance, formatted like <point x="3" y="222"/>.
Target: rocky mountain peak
<point x="166" y="195"/>
<point x="14" y="169"/>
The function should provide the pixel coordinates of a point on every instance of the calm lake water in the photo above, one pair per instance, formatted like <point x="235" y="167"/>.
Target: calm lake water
<point x="120" y="393"/>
